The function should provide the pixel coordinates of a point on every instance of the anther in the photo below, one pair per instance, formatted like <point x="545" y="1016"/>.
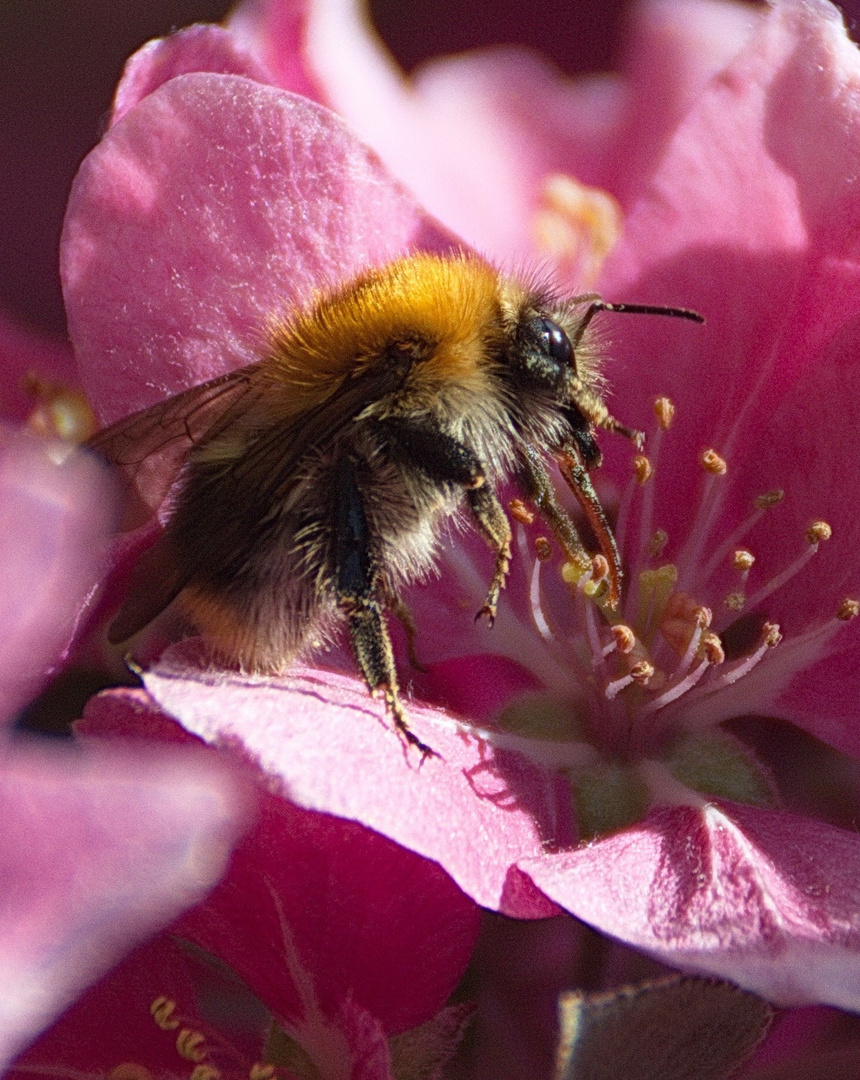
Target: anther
<point x="711" y="462"/>
<point x="848" y="609"/>
<point x="205" y="1072"/>
<point x="599" y="568"/>
<point x="642" y="469"/>
<point x="543" y="548"/>
<point x="711" y="648"/>
<point x="735" y="601"/>
<point x="771" y="635"/>
<point x="769" y="499"/>
<point x="742" y="560"/>
<point x="191" y="1045"/>
<point x="261" y="1072"/>
<point x="520" y="512"/>
<point x="624" y="637"/>
<point x="657" y="543"/>
<point x="664" y="410"/>
<point x="641" y="672"/>
<point x="162" y="1010"/>
<point x="817" y="532"/>
<point x="129" y="1070"/>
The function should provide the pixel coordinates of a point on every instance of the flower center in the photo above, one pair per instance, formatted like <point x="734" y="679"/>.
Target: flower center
<point x="646" y="686"/>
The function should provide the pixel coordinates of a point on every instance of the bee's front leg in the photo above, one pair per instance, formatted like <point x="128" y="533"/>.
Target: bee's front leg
<point x="356" y="588"/>
<point x="446" y="460"/>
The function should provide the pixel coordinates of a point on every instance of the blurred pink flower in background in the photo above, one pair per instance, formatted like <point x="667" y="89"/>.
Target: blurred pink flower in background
<point x="99" y="847"/>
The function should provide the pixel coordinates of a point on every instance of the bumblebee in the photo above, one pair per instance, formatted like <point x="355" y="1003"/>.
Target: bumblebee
<point x="307" y="489"/>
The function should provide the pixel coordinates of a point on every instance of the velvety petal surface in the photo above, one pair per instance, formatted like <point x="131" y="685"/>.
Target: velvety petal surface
<point x="98" y="850"/>
<point x="333" y="749"/>
<point x="56" y="513"/>
<point x="762" y="898"/>
<point x="213" y="207"/>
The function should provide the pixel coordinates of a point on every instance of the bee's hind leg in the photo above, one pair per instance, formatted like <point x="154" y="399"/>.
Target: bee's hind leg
<point x="356" y="589"/>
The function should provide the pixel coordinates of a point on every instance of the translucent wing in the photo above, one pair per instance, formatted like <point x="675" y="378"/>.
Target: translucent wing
<point x="150" y="447"/>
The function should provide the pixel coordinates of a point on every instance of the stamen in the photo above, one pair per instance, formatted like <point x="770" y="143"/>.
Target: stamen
<point x="129" y="1070"/>
<point x="848" y="609"/>
<point x="205" y="1072"/>
<point x="162" y="1010"/>
<point x="538" y="616"/>
<point x="259" y="1071"/>
<point x="712" y="648"/>
<point x="577" y="226"/>
<point x="623" y="639"/>
<point x="762" y="503"/>
<point x="543" y="549"/>
<point x="769" y="499"/>
<point x="599" y="568"/>
<point x="642" y="469"/>
<point x="711" y="462"/>
<point x="658" y="543"/>
<point x="642" y="672"/>
<point x="743" y="560"/>
<point x="770" y="637"/>
<point x="664" y="410"/>
<point x="614" y="688"/>
<point x="817" y="532"/>
<point x="191" y="1045"/>
<point x="676" y="690"/>
<point x="520" y="512"/>
<point x="735" y="601"/>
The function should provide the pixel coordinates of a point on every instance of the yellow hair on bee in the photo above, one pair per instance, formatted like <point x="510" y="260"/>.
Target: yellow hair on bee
<point x="441" y="306"/>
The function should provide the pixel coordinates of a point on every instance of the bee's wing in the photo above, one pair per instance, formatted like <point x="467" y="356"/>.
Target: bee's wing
<point x="149" y="447"/>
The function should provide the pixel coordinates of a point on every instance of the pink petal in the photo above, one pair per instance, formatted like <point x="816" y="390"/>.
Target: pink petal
<point x="762" y="898"/>
<point x="276" y="32"/>
<point x="214" y="206"/>
<point x="56" y="513"/>
<point x="300" y="916"/>
<point x="197" y="48"/>
<point x="98" y="850"/>
<point x="465" y="809"/>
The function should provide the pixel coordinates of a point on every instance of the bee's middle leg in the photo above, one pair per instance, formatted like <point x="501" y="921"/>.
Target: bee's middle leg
<point x="357" y="593"/>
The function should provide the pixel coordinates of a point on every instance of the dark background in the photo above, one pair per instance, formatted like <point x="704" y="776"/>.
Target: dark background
<point x="60" y="60"/>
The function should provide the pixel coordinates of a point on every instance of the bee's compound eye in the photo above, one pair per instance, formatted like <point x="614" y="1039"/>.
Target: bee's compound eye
<point x="555" y="342"/>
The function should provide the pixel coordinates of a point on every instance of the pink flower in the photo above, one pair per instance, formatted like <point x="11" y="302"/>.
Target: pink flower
<point x="339" y="944"/>
<point x="216" y="201"/>
<point x="99" y="847"/>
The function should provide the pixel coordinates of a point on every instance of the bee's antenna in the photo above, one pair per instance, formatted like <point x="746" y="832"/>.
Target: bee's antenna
<point x="634" y="309"/>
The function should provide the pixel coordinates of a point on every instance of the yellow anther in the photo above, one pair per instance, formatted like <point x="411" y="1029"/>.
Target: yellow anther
<point x="682" y="617"/>
<point x="664" y="410"/>
<point x="848" y="609"/>
<point x="162" y="1010"/>
<point x="573" y="571"/>
<point x="711" y="462"/>
<point x="742" y="560"/>
<point x="641" y="672"/>
<point x="261" y="1072"/>
<point x="624" y="637"/>
<point x="703" y="616"/>
<point x="543" y="549"/>
<point x="657" y="543"/>
<point x="599" y="568"/>
<point x="205" y="1072"/>
<point x="129" y="1070"/>
<point x="59" y="411"/>
<point x="771" y="634"/>
<point x="191" y="1045"/>
<point x="769" y="499"/>
<point x="642" y="469"/>
<point x="520" y="512"/>
<point x="576" y="225"/>
<point x="817" y="532"/>
<point x="735" y="601"/>
<point x="711" y="648"/>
